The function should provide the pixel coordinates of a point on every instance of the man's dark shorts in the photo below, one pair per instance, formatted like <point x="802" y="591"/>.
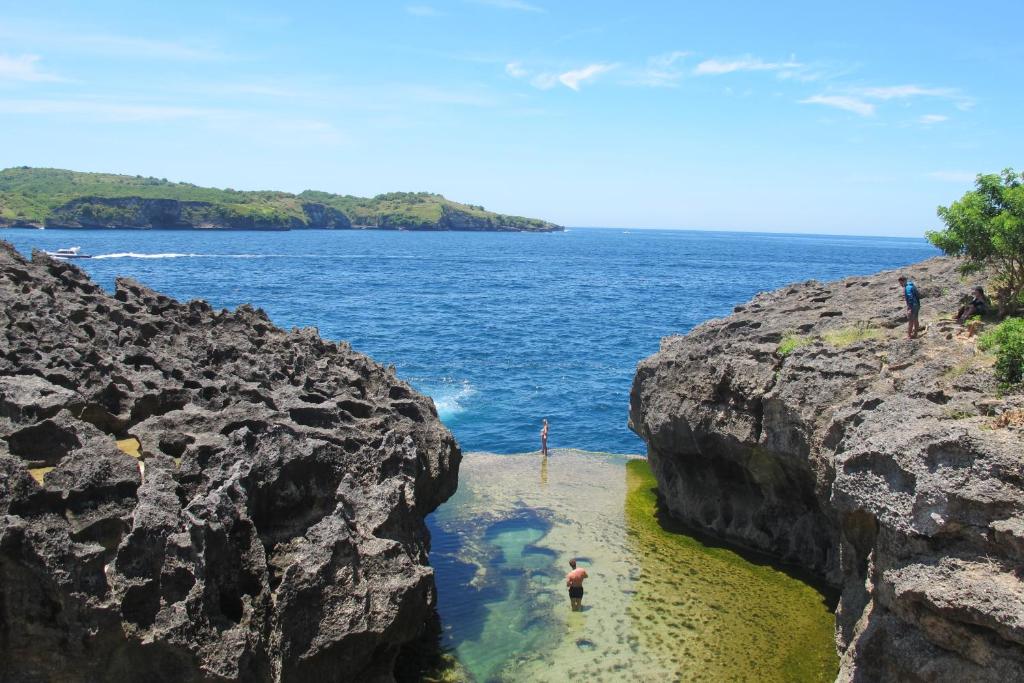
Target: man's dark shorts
<point x="576" y="592"/>
<point x="914" y="311"/>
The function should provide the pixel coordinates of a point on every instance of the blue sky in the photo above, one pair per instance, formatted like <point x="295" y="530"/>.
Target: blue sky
<point x="801" y="116"/>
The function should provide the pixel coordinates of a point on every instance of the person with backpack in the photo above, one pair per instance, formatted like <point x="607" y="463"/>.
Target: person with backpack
<point x="912" y="297"/>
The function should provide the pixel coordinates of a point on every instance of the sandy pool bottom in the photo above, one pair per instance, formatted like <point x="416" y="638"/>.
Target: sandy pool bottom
<point x="659" y="605"/>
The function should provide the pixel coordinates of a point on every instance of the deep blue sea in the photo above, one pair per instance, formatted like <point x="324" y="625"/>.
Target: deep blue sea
<point x="501" y="329"/>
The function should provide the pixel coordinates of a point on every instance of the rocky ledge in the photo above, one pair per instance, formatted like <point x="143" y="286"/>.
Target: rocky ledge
<point x="195" y="495"/>
<point x="807" y="426"/>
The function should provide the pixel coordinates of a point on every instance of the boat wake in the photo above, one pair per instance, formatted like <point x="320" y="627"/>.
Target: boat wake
<point x="135" y="254"/>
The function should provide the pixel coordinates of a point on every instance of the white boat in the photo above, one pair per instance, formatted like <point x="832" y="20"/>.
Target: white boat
<point x="68" y="253"/>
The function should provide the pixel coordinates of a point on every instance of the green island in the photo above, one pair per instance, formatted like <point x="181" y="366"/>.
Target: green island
<point x="49" y="197"/>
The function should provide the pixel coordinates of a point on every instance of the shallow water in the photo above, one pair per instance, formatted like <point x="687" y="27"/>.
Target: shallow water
<point x="658" y="605"/>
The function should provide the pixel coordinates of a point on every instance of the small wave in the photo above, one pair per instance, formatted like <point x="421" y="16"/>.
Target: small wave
<point x="450" y="399"/>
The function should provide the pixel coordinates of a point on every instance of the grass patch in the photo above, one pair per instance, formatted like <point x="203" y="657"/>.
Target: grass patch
<point x="792" y="342"/>
<point x="961" y="368"/>
<point x="851" y="335"/>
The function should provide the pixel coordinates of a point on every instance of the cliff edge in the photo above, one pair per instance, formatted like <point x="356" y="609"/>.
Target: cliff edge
<point x="807" y="426"/>
<point x="195" y="495"/>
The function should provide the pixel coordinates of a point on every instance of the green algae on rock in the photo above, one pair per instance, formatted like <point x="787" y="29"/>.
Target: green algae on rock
<point x="710" y="614"/>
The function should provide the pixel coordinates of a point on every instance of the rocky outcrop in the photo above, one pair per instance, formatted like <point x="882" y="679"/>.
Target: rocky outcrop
<point x="139" y="212"/>
<point x="807" y="426"/>
<point x="271" y="527"/>
<point x="454" y="219"/>
<point x="320" y="216"/>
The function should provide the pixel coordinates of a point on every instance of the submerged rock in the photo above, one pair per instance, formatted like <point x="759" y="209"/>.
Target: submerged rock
<point x="808" y="426"/>
<point x="270" y="527"/>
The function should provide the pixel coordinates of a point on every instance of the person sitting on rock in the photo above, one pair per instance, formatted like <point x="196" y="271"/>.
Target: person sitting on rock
<point x="978" y="305"/>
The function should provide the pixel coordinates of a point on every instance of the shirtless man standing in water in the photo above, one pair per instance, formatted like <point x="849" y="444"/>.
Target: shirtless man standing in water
<point x="544" y="439"/>
<point x="574" y="580"/>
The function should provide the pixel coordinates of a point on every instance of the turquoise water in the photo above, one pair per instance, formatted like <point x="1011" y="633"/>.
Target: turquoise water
<point x="500" y="329"/>
<point x="658" y="605"/>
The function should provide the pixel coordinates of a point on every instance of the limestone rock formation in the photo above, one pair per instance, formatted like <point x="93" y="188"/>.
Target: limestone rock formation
<point x="271" y="527"/>
<point x="806" y="425"/>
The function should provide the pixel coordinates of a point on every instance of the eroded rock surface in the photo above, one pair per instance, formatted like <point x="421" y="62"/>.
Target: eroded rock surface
<point x="272" y="529"/>
<point x="806" y="425"/>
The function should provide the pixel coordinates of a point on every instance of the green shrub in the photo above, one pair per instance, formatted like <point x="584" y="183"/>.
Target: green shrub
<point x="1007" y="340"/>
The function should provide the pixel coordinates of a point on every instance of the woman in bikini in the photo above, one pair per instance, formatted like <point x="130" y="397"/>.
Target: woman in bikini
<point x="544" y="439"/>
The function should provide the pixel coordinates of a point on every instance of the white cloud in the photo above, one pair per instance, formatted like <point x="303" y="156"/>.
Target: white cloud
<point x="716" y="67"/>
<point x="572" y="79"/>
<point x="906" y="92"/>
<point x="236" y="120"/>
<point x="422" y="11"/>
<point x="575" y="78"/>
<point x="953" y="176"/>
<point x="24" y="69"/>
<point x="518" y="5"/>
<point x="516" y="70"/>
<point x="109" y="45"/>
<point x="661" y="71"/>
<point x="113" y="111"/>
<point x="844" y="102"/>
<point x="668" y="59"/>
<point x="895" y="92"/>
<point x="861" y="100"/>
<point x="149" y="49"/>
<point x="544" y="81"/>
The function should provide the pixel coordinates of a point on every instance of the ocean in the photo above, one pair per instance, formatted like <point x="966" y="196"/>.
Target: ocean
<point x="500" y="329"/>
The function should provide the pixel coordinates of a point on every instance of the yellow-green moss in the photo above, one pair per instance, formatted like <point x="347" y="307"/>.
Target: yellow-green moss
<point x="717" y="614"/>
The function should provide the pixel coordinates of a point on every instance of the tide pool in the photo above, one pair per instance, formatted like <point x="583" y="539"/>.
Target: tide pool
<point x="659" y="605"/>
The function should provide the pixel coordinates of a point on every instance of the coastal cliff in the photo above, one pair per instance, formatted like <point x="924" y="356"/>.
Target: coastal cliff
<point x="805" y="425"/>
<point x="56" y="198"/>
<point x="195" y="495"/>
